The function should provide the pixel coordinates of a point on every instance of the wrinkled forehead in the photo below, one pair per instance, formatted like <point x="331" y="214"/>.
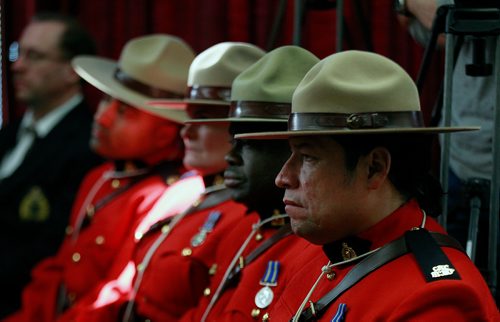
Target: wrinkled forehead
<point x="322" y="144"/>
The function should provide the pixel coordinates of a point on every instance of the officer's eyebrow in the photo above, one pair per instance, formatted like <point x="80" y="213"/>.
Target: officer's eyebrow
<point x="298" y="144"/>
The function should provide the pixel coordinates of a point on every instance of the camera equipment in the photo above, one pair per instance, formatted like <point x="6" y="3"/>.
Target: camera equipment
<point x="478" y="20"/>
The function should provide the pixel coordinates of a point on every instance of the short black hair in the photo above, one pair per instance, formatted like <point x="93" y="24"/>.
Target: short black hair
<point x="75" y="40"/>
<point x="411" y="164"/>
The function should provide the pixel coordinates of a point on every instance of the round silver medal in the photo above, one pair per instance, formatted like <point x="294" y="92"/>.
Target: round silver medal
<point x="264" y="297"/>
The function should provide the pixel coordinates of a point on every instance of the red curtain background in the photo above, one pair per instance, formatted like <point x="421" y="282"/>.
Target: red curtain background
<point x="369" y="25"/>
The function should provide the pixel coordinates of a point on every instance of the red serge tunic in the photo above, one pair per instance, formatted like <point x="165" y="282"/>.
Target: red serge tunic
<point x="180" y="263"/>
<point x="237" y="301"/>
<point x="396" y="291"/>
<point x="106" y="208"/>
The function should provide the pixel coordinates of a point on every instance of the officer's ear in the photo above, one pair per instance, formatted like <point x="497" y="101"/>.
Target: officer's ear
<point x="378" y="163"/>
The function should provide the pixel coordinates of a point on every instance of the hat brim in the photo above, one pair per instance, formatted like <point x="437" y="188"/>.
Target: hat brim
<point x="99" y="72"/>
<point x="288" y="134"/>
<point x="236" y="119"/>
<point x="183" y="103"/>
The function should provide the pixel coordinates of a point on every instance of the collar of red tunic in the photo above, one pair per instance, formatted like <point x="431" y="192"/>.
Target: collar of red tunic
<point x="404" y="218"/>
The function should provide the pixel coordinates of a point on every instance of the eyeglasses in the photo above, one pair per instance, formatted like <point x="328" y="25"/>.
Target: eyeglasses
<point x="31" y="56"/>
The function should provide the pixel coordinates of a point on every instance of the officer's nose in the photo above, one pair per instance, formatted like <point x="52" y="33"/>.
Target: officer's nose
<point x="287" y="178"/>
<point x="106" y="112"/>
<point x="233" y="157"/>
<point x="188" y="131"/>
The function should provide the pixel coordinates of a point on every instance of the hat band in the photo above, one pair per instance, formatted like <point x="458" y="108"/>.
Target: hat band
<point x="137" y="86"/>
<point x="209" y="93"/>
<point x="196" y="111"/>
<point x="328" y="121"/>
<point x="271" y="110"/>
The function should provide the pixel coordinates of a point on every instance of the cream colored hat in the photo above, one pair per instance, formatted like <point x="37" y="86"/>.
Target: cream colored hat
<point x="355" y="92"/>
<point x="210" y="77"/>
<point x="263" y="92"/>
<point x="153" y="66"/>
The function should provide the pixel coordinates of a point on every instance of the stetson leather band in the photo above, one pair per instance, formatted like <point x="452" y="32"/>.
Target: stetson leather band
<point x="137" y="86"/>
<point x="242" y="109"/>
<point x="209" y="93"/>
<point x="329" y="121"/>
<point x="207" y="111"/>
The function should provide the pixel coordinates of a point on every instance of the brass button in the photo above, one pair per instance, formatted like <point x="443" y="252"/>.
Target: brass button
<point x="212" y="270"/>
<point x="265" y="317"/>
<point x="99" y="240"/>
<point x="330" y="276"/>
<point x="115" y="183"/>
<point x="207" y="291"/>
<point x="255" y="313"/>
<point x="258" y="237"/>
<point x="69" y="230"/>
<point x="186" y="251"/>
<point x="165" y="229"/>
<point x="90" y="211"/>
<point x="218" y="180"/>
<point x="172" y="179"/>
<point x="241" y="262"/>
<point x="76" y="257"/>
<point x="140" y="267"/>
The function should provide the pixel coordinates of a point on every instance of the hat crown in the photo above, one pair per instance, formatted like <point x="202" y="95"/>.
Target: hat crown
<point x="356" y="82"/>
<point x="160" y="61"/>
<point x="221" y="63"/>
<point x="274" y="77"/>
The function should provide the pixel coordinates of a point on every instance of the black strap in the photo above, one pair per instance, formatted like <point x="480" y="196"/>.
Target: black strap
<point x="371" y="263"/>
<point x="163" y="169"/>
<point x="433" y="262"/>
<point x="279" y="235"/>
<point x="109" y="197"/>
<point x="211" y="197"/>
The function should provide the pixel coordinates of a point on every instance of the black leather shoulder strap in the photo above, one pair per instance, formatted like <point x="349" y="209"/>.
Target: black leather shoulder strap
<point x="381" y="257"/>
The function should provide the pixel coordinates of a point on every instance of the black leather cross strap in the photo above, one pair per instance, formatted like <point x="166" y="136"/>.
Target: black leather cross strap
<point x="212" y="196"/>
<point x="279" y="235"/>
<point x="381" y="257"/>
<point x="164" y="169"/>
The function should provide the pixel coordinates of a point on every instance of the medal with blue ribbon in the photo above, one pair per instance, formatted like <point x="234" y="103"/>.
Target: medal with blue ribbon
<point x="340" y="314"/>
<point x="207" y="227"/>
<point x="265" y="295"/>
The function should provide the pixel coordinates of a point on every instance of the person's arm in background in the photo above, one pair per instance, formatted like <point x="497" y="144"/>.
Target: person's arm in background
<point x="420" y="16"/>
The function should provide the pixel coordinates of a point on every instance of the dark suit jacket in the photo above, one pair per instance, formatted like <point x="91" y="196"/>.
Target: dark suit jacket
<point x="35" y="201"/>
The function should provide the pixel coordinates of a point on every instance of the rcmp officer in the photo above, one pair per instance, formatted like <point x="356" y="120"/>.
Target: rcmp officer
<point x="253" y="272"/>
<point x="45" y="155"/>
<point x="174" y="257"/>
<point x="357" y="182"/>
<point x="144" y="152"/>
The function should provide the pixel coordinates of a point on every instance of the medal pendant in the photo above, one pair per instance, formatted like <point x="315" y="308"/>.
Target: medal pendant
<point x="264" y="297"/>
<point x="198" y="239"/>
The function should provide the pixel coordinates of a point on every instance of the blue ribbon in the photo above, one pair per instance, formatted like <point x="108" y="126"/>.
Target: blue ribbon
<point x="340" y="315"/>
<point x="271" y="275"/>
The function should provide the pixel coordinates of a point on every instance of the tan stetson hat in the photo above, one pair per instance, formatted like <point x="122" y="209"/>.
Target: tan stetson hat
<point x="153" y="66"/>
<point x="210" y="77"/>
<point x="263" y="92"/>
<point x="355" y="92"/>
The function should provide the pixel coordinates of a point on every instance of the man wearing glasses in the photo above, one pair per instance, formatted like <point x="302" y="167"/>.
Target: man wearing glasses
<point x="44" y="156"/>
